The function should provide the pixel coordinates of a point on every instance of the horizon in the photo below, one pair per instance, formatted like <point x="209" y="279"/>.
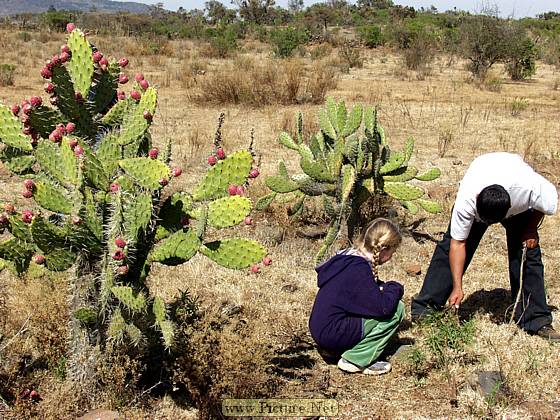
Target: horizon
<point x="507" y="8"/>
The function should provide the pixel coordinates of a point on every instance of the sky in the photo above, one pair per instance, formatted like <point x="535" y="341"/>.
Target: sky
<point x="515" y="8"/>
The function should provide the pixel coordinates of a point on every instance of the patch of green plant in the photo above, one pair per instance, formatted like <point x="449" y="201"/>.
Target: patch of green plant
<point x="285" y="41"/>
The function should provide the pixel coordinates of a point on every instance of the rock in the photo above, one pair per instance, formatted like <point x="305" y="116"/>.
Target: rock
<point x="402" y="353"/>
<point x="414" y="269"/>
<point x="290" y="288"/>
<point x="230" y="309"/>
<point x="489" y="384"/>
<point x="100" y="414"/>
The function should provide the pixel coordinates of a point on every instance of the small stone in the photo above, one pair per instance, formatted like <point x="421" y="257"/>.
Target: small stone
<point x="289" y="288"/>
<point x="414" y="269"/>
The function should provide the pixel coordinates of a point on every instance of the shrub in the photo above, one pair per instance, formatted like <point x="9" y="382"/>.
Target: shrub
<point x="285" y="41"/>
<point x="520" y="58"/>
<point x="348" y="170"/>
<point x="7" y="72"/>
<point x="371" y="36"/>
<point x="350" y="56"/>
<point x="223" y="44"/>
<point x="420" y="53"/>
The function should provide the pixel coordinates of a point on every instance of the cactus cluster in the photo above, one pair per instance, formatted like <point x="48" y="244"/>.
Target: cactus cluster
<point x="346" y="167"/>
<point x="100" y="205"/>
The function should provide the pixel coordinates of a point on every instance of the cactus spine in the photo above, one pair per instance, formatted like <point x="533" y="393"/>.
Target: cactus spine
<point x="347" y="168"/>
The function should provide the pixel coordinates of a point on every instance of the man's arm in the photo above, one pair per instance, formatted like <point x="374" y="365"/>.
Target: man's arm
<point x="457" y="257"/>
<point x="530" y="235"/>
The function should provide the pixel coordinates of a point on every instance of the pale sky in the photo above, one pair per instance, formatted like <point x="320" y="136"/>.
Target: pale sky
<point x="515" y="8"/>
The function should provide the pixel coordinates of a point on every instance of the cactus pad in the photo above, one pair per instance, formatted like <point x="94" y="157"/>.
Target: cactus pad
<point x="80" y="67"/>
<point x="228" y="211"/>
<point x="234" y="253"/>
<point x="176" y="249"/>
<point x="280" y="184"/>
<point x="52" y="198"/>
<point x="430" y="206"/>
<point x="402" y="191"/>
<point x="146" y="172"/>
<point x="125" y="295"/>
<point x="11" y="130"/>
<point x="429" y="175"/>
<point x="135" y="127"/>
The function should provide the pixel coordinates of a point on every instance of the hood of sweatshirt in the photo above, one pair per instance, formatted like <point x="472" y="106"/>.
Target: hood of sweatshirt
<point x="334" y="266"/>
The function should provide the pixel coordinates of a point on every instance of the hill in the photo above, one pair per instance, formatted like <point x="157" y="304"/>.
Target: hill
<point x="11" y="7"/>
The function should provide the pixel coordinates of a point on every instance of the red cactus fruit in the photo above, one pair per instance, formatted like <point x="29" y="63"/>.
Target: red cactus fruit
<point x="153" y="153"/>
<point x="39" y="259"/>
<point x="212" y="160"/>
<point x="10" y="208"/>
<point x="76" y="220"/>
<point x="49" y="87"/>
<point x="64" y="57"/>
<point x="114" y="187"/>
<point x="15" y="109"/>
<point x="240" y="190"/>
<point x="144" y="84"/>
<point x="55" y="136"/>
<point x="176" y="172"/>
<point x="27" y="216"/>
<point x="35" y="136"/>
<point x="79" y="97"/>
<point x="122" y="270"/>
<point x="73" y="143"/>
<point x="27" y="194"/>
<point x="65" y="49"/>
<point x="27" y="109"/>
<point x="104" y="63"/>
<point x="120" y="242"/>
<point x="70" y="127"/>
<point x="55" y="60"/>
<point x="267" y="261"/>
<point x="254" y="173"/>
<point x="27" y="130"/>
<point x="163" y="182"/>
<point x="123" y="62"/>
<point x="29" y="184"/>
<point x="121" y="96"/>
<point x="123" y="78"/>
<point x="49" y="64"/>
<point x="61" y="127"/>
<point x="232" y="190"/>
<point x="36" y="101"/>
<point x="70" y="27"/>
<point x="25" y="393"/>
<point x="118" y="255"/>
<point x="3" y="219"/>
<point x="220" y="153"/>
<point x="34" y="395"/>
<point x="139" y="77"/>
<point x="184" y="220"/>
<point x="148" y="115"/>
<point x="248" y="220"/>
<point x="24" y="102"/>
<point x="25" y="119"/>
<point x="255" y="268"/>
<point x="97" y="56"/>
<point x="46" y="73"/>
<point x="53" y="100"/>
<point x="78" y="150"/>
<point x="135" y="95"/>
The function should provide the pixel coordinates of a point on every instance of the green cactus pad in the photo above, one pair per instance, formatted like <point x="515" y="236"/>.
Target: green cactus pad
<point x="369" y="120"/>
<point x="280" y="184"/>
<point x="402" y="191"/>
<point x="176" y="249"/>
<point x="89" y="214"/>
<point x="16" y="252"/>
<point x="46" y="234"/>
<point x="19" y="229"/>
<point x="172" y="210"/>
<point x="52" y="198"/>
<point x="353" y="121"/>
<point x="403" y="174"/>
<point x="17" y="160"/>
<point x="80" y="66"/>
<point x="286" y="140"/>
<point x="326" y="125"/>
<point x="332" y="233"/>
<point x="430" y="206"/>
<point x="11" y="130"/>
<point x="167" y="332"/>
<point x="117" y="327"/>
<point x="146" y="172"/>
<point x="394" y="162"/>
<point x="348" y="181"/>
<point x="298" y="206"/>
<point x="50" y="158"/>
<point x="228" y="211"/>
<point x="44" y="120"/>
<point x="106" y="84"/>
<point x="117" y="113"/>
<point x="408" y="149"/>
<point x="158" y="309"/>
<point x="109" y="153"/>
<point x="317" y="146"/>
<point x="341" y="117"/>
<point x="351" y="149"/>
<point x="265" y="201"/>
<point x="134" y="127"/>
<point x="125" y="295"/>
<point x="86" y="316"/>
<point x="233" y="170"/>
<point x="332" y="114"/>
<point x="317" y="170"/>
<point x="234" y="253"/>
<point x="410" y="206"/>
<point x="311" y="187"/>
<point x="429" y="175"/>
<point x="59" y="259"/>
<point x="137" y="214"/>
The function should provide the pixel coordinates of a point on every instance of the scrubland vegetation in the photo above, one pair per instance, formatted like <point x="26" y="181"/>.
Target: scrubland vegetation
<point x="459" y="84"/>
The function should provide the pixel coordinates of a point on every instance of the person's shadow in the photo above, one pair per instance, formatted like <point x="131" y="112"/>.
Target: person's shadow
<point x="498" y="303"/>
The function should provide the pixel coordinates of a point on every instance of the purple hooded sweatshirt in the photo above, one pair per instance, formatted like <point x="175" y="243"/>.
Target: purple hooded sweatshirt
<point x="347" y="293"/>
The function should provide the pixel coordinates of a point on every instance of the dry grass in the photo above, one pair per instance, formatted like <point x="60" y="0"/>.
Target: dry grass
<point x="276" y="303"/>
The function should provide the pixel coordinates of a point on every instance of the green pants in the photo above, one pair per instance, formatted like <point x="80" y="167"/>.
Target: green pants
<point x="377" y="334"/>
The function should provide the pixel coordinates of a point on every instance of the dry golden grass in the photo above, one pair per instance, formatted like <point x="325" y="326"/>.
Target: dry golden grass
<point x="279" y="299"/>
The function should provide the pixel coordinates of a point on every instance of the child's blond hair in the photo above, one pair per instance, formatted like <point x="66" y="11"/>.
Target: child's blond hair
<point x="379" y="234"/>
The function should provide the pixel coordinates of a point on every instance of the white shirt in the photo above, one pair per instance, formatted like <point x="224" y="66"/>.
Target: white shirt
<point x="527" y="189"/>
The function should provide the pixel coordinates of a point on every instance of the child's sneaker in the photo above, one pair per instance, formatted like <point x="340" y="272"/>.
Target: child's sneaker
<point x="348" y="367"/>
<point x="378" y="368"/>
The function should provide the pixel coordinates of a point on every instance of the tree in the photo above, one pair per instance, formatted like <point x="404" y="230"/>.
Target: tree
<point x="255" y="11"/>
<point x="295" y="6"/>
<point x="215" y="11"/>
<point x="374" y="4"/>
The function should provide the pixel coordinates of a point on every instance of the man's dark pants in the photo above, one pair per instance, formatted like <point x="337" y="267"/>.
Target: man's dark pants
<point x="531" y="313"/>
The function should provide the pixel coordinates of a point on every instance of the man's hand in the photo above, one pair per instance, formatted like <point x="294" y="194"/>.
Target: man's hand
<point x="456" y="298"/>
<point x="530" y="236"/>
<point x="531" y="243"/>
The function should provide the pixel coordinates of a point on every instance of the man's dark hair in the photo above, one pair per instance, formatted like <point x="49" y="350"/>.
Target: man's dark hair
<point x="492" y="204"/>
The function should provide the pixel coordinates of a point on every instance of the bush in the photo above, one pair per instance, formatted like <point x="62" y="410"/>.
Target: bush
<point x="285" y="41"/>
<point x="350" y="56"/>
<point x="223" y="44"/>
<point x="371" y="36"/>
<point x="520" y="58"/>
<point x="7" y="72"/>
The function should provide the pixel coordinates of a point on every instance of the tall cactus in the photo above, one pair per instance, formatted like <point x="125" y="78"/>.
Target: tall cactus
<point x="346" y="167"/>
<point x="98" y="184"/>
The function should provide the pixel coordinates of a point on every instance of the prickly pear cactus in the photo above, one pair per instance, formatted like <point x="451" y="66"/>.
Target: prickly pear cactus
<point x="347" y="164"/>
<point x="96" y="187"/>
